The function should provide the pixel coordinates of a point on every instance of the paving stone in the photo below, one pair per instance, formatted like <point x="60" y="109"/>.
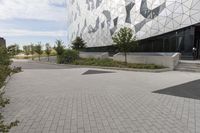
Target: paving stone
<point x="64" y="100"/>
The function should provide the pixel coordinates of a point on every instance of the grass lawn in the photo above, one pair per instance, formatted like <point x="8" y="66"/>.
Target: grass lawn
<point x="112" y="63"/>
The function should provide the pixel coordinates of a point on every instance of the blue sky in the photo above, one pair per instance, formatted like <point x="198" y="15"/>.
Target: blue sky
<point x="32" y="21"/>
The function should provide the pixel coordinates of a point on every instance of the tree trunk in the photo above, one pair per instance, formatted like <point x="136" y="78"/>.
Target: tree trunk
<point x="32" y="57"/>
<point x="48" y="58"/>
<point x="39" y="57"/>
<point x="125" y="57"/>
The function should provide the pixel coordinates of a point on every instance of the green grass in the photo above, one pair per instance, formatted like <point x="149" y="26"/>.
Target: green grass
<point x="112" y="63"/>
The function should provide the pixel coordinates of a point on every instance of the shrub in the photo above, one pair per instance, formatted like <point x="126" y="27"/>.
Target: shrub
<point x="112" y="63"/>
<point x="68" y="56"/>
<point x="16" y="69"/>
<point x="4" y="57"/>
<point x="4" y="72"/>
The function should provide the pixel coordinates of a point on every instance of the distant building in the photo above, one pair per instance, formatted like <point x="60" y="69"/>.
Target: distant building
<point x="2" y="42"/>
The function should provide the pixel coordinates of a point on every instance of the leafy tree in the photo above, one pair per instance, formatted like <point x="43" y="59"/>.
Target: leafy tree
<point x="32" y="50"/>
<point x="78" y="44"/>
<point x="26" y="50"/>
<point x="38" y="50"/>
<point x="13" y="49"/>
<point x="48" y="50"/>
<point x="60" y="48"/>
<point x="124" y="40"/>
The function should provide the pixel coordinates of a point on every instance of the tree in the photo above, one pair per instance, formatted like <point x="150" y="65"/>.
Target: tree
<point x="32" y="50"/>
<point x="26" y="50"/>
<point x="48" y="50"/>
<point x="124" y="40"/>
<point x="78" y="44"/>
<point x="60" y="48"/>
<point x="13" y="49"/>
<point x="38" y="50"/>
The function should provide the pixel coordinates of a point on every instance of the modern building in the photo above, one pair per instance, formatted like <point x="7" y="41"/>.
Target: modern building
<point x="159" y="25"/>
<point x="2" y="42"/>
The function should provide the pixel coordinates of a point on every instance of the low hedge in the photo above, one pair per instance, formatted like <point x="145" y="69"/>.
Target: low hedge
<point x="112" y="63"/>
<point x="68" y="56"/>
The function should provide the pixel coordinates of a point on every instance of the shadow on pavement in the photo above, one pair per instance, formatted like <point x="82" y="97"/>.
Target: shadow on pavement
<point x="186" y="90"/>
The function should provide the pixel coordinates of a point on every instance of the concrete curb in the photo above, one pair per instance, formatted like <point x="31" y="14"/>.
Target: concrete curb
<point x="110" y="68"/>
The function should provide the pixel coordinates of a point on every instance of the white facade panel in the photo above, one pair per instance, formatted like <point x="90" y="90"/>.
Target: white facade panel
<point x="97" y="20"/>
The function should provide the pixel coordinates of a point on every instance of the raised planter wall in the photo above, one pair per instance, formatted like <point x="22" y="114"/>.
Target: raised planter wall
<point x="96" y="55"/>
<point x="169" y="60"/>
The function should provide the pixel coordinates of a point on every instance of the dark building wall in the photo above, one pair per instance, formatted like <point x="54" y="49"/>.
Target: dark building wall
<point x="182" y="41"/>
<point x="2" y="42"/>
<point x="177" y="41"/>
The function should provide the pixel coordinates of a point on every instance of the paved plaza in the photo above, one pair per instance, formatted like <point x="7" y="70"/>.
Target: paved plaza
<point x="85" y="100"/>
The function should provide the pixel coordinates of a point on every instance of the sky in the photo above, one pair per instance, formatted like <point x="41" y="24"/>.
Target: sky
<point x="32" y="21"/>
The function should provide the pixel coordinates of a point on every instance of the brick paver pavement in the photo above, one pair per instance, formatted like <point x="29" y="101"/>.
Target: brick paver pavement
<point x="65" y="101"/>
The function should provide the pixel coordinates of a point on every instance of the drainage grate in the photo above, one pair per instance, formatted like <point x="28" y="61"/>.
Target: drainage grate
<point x="96" y="72"/>
<point x="186" y="90"/>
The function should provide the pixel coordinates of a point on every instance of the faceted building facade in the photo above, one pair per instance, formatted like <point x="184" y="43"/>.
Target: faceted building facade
<point x="159" y="25"/>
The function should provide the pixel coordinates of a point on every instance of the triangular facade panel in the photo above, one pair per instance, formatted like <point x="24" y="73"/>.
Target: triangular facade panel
<point x="147" y="18"/>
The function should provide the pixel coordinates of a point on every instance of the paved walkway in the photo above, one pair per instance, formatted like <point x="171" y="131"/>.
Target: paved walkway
<point x="65" y="101"/>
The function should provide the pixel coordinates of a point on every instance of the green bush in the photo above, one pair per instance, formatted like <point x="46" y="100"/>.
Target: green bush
<point x="68" y="56"/>
<point x="4" y="72"/>
<point x="4" y="57"/>
<point x="4" y="63"/>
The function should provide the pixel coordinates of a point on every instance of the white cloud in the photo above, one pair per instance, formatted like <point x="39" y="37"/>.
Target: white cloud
<point x="32" y="9"/>
<point x="20" y="32"/>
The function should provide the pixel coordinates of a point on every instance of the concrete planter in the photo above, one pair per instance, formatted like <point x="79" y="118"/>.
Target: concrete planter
<point x="169" y="60"/>
<point x="96" y="55"/>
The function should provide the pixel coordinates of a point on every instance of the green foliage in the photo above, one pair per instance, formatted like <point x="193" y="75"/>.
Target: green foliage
<point x="48" y="50"/>
<point x="38" y="50"/>
<point x="32" y="50"/>
<point x="4" y="57"/>
<point x="112" y="63"/>
<point x="124" y="40"/>
<point x="60" y="48"/>
<point x="17" y="69"/>
<point x="4" y="72"/>
<point x="78" y="44"/>
<point x="13" y="50"/>
<point x="68" y="56"/>
<point x="5" y="128"/>
<point x="26" y="50"/>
